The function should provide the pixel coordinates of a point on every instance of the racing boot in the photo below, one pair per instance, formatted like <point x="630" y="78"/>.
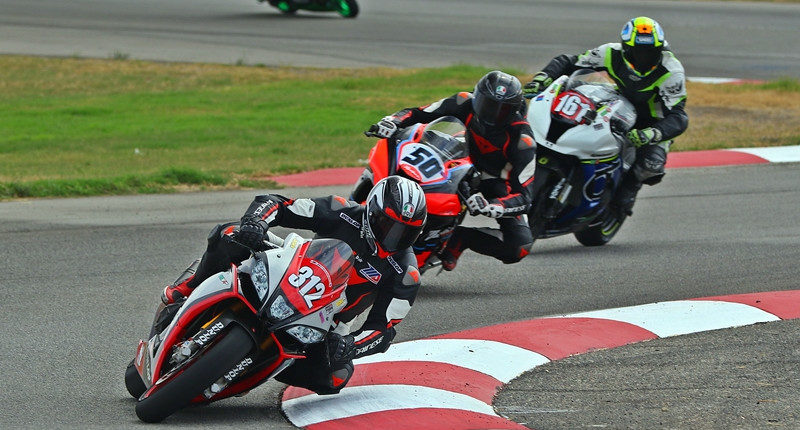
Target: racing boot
<point x="450" y="254"/>
<point x="625" y="196"/>
<point x="179" y="290"/>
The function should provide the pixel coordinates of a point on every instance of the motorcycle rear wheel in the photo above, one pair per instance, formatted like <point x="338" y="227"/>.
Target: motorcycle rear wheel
<point x="347" y="8"/>
<point x="180" y="391"/>
<point x="602" y="233"/>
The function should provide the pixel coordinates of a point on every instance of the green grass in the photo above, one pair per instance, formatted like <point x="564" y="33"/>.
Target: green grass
<point x="82" y="127"/>
<point x="166" y="181"/>
<point x="74" y="126"/>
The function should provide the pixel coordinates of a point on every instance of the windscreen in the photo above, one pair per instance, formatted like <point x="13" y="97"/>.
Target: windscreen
<point x="446" y="136"/>
<point x="335" y="255"/>
<point x="598" y="87"/>
<point x="595" y="85"/>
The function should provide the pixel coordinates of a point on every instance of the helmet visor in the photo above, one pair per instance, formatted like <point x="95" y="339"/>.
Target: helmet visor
<point x="643" y="57"/>
<point x="492" y="111"/>
<point x="391" y="234"/>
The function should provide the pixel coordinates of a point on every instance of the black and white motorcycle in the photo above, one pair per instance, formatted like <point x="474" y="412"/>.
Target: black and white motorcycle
<point x="579" y="124"/>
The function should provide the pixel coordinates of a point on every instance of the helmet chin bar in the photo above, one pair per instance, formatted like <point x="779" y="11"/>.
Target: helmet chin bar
<point x="374" y="246"/>
<point x="366" y="234"/>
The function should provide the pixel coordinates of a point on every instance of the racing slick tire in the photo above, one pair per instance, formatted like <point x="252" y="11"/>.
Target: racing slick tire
<point x="348" y="8"/>
<point x="133" y="382"/>
<point x="208" y="368"/>
<point x="602" y="233"/>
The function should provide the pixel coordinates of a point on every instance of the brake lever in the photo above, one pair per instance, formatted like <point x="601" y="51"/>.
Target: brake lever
<point x="267" y="245"/>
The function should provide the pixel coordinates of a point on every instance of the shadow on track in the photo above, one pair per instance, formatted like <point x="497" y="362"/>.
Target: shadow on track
<point x="269" y="15"/>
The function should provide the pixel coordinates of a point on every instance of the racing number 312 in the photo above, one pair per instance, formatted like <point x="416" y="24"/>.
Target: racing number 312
<point x="306" y="281"/>
<point x="425" y="161"/>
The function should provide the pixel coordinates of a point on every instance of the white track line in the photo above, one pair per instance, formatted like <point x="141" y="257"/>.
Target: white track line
<point x="774" y="154"/>
<point x="352" y="401"/>
<point x="682" y="317"/>
<point x="502" y="361"/>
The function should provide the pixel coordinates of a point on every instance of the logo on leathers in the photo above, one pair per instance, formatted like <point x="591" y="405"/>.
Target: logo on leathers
<point x="349" y="220"/>
<point x="371" y="274"/>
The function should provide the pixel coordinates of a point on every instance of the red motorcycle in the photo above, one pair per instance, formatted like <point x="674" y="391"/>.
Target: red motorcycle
<point x="241" y="327"/>
<point x="435" y="155"/>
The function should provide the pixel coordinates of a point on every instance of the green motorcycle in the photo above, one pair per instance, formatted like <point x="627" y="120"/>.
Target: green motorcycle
<point x="345" y="8"/>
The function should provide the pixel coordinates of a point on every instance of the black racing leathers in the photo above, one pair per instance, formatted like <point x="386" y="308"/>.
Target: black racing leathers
<point x="389" y="285"/>
<point x="505" y="158"/>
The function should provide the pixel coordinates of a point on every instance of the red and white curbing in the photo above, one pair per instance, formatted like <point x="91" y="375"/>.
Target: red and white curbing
<point x="448" y="381"/>
<point x="720" y="157"/>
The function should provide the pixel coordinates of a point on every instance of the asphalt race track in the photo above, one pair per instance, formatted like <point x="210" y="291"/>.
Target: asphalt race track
<point x="81" y="276"/>
<point x="730" y="39"/>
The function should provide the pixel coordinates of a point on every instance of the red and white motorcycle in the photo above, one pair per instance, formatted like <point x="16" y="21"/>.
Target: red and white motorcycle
<point x="241" y="327"/>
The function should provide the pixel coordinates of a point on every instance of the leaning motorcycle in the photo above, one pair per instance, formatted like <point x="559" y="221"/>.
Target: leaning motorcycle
<point x="241" y="327"/>
<point x="434" y="155"/>
<point x="345" y="8"/>
<point x="579" y="124"/>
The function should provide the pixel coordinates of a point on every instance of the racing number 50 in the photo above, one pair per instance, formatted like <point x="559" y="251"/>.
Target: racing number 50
<point x="425" y="161"/>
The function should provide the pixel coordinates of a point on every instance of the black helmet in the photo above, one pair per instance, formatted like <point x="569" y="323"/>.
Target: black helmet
<point x="642" y="44"/>
<point x="497" y="95"/>
<point x="395" y="215"/>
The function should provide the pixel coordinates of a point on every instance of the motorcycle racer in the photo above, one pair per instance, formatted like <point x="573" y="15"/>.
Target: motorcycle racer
<point x="385" y="276"/>
<point x="651" y="77"/>
<point x="501" y="149"/>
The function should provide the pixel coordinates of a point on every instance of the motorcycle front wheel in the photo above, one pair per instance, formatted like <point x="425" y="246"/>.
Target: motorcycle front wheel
<point x="133" y="382"/>
<point x="180" y="391"/>
<point x="284" y="6"/>
<point x="603" y="232"/>
<point x="362" y="187"/>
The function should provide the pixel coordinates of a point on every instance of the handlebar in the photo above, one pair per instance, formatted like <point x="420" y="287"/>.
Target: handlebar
<point x="271" y="241"/>
<point x="528" y="96"/>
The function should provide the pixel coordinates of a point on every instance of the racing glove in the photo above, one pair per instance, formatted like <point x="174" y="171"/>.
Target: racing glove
<point x="251" y="234"/>
<point x="477" y="204"/>
<point x="539" y="82"/>
<point x="645" y="136"/>
<point x="385" y="128"/>
<point x="341" y="349"/>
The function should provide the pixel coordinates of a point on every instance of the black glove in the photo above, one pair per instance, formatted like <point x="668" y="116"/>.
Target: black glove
<point x="341" y="349"/>
<point x="251" y="234"/>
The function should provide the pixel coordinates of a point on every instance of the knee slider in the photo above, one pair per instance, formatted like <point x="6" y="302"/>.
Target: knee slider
<point x="220" y="230"/>
<point x="516" y="254"/>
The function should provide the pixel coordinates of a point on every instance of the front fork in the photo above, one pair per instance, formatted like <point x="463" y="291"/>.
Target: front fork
<point x="363" y="185"/>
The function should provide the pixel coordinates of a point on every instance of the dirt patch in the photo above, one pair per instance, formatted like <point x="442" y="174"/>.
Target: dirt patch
<point x="724" y="116"/>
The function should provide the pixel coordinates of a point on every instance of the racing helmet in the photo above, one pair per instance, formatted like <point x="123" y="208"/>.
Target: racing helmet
<point x="395" y="215"/>
<point x="496" y="97"/>
<point x="642" y="44"/>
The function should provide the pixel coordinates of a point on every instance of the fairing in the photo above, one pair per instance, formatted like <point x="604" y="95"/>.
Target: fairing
<point x="232" y="298"/>
<point x="579" y="124"/>
<point x="598" y="138"/>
